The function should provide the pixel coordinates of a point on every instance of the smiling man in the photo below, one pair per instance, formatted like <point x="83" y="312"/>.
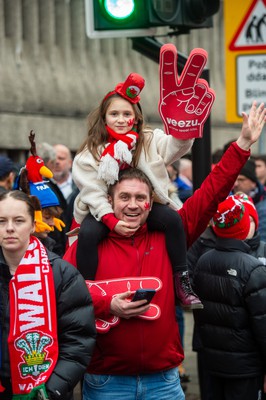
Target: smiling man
<point x="131" y="199"/>
<point x="143" y="351"/>
<point x="138" y="346"/>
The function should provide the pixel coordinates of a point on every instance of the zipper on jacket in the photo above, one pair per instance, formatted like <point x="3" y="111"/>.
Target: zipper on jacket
<point x="133" y="244"/>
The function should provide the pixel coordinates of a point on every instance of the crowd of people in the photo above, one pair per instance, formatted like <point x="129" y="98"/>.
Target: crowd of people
<point x="66" y="309"/>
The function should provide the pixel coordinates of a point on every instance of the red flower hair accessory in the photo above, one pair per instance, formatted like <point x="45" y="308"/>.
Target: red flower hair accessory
<point x="130" y="89"/>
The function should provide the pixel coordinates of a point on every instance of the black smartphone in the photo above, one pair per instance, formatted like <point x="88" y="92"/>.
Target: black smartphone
<point x="144" y="294"/>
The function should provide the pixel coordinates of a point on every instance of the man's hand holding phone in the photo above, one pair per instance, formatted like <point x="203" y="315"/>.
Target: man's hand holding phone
<point x="121" y="307"/>
<point x="144" y="294"/>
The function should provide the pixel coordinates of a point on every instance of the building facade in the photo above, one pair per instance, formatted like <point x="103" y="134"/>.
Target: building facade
<point x="52" y="74"/>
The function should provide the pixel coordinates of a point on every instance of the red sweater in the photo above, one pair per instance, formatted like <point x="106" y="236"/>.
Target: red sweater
<point x="137" y="346"/>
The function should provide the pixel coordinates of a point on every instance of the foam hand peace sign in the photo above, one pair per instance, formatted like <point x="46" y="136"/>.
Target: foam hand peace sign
<point x="185" y="102"/>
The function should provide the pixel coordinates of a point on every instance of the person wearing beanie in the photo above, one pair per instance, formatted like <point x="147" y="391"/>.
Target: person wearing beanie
<point x="248" y="183"/>
<point x="231" y="219"/>
<point x="231" y="328"/>
<point x="254" y="240"/>
<point x="249" y="170"/>
<point x="31" y="180"/>
<point x="51" y="217"/>
<point x="206" y="242"/>
<point x="7" y="173"/>
<point x="51" y="212"/>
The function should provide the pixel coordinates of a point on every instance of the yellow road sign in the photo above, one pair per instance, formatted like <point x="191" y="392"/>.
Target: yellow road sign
<point x="245" y="55"/>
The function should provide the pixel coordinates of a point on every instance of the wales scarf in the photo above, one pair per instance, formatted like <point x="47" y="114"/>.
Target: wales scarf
<point x="117" y="153"/>
<point x="32" y="340"/>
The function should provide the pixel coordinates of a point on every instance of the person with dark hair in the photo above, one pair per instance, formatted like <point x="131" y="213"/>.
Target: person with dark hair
<point x="260" y="161"/>
<point x="227" y="145"/>
<point x="47" y="329"/>
<point x="7" y="173"/>
<point x="216" y="156"/>
<point x="248" y="183"/>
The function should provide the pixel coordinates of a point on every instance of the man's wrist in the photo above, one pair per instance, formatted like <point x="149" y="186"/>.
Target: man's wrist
<point x="244" y="144"/>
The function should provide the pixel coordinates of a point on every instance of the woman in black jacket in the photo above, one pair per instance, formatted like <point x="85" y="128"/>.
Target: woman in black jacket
<point x="47" y="324"/>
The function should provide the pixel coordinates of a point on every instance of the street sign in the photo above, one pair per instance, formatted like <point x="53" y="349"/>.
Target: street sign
<point x="251" y="80"/>
<point x="251" y="33"/>
<point x="245" y="50"/>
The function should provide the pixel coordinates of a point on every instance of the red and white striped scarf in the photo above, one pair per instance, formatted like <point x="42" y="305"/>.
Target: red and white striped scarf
<point x="117" y="153"/>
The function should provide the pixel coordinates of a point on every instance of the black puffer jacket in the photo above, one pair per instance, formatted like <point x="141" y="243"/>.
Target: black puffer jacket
<point x="232" y="326"/>
<point x="257" y="247"/>
<point x="206" y="242"/>
<point x="76" y="327"/>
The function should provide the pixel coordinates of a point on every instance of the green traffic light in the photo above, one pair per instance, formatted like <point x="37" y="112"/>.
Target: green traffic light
<point x="119" y="9"/>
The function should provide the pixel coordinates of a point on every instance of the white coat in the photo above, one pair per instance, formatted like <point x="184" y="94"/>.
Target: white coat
<point x="162" y="150"/>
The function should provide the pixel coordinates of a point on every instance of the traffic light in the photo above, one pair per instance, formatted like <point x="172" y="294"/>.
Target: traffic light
<point x="117" y="18"/>
<point x="183" y="14"/>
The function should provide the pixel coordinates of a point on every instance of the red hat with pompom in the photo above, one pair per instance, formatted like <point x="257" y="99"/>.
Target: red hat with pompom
<point x="231" y="219"/>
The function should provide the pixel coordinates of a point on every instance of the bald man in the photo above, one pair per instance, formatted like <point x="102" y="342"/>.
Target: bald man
<point x="62" y="170"/>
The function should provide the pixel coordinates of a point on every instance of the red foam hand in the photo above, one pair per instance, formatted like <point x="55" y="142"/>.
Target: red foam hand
<point x="185" y="103"/>
<point x="113" y="287"/>
<point x="103" y="326"/>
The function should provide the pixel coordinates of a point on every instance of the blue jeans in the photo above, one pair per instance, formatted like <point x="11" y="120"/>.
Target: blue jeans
<point x="164" y="385"/>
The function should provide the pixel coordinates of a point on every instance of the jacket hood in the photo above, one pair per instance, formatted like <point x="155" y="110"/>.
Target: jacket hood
<point x="229" y="244"/>
<point x="254" y="242"/>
